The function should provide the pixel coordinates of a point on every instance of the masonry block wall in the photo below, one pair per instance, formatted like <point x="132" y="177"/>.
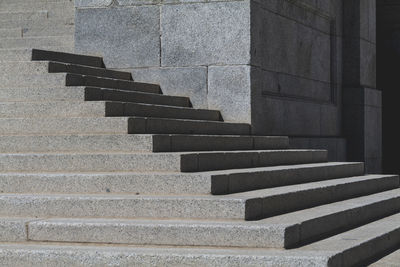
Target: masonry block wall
<point x="276" y="64"/>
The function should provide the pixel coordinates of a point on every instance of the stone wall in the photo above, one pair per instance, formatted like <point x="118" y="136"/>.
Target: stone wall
<point x="199" y="49"/>
<point x="282" y="65"/>
<point x="296" y="59"/>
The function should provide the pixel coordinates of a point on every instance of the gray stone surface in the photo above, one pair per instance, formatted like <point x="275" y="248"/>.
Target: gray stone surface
<point x="229" y="92"/>
<point x="190" y="82"/>
<point x="126" y="37"/>
<point x="222" y="26"/>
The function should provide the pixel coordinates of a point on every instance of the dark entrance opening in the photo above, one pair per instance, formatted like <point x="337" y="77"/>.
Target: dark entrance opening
<point x="388" y="80"/>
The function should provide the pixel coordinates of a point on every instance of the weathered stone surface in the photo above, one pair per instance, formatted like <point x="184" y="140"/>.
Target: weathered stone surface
<point x="205" y="34"/>
<point x="126" y="37"/>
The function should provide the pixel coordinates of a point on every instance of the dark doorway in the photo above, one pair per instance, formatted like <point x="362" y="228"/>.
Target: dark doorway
<point x="388" y="80"/>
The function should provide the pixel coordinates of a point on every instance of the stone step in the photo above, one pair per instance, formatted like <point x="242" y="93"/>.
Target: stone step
<point x="362" y="244"/>
<point x="34" y="1"/>
<point x="38" y="22"/>
<point x="23" y="54"/>
<point x="37" y="254"/>
<point x="40" y="42"/>
<point x="118" y="125"/>
<point x="173" y="162"/>
<point x="174" y="183"/>
<point x="278" y="232"/>
<point x="88" y="94"/>
<point x="140" y="143"/>
<point x="55" y="67"/>
<point x="19" y="16"/>
<point x="53" y="30"/>
<point x="10" y="33"/>
<point x="28" y="6"/>
<point x="46" y="80"/>
<point x="391" y="260"/>
<point x="250" y="205"/>
<point x="101" y="109"/>
<point x="85" y="60"/>
<point x="44" y="67"/>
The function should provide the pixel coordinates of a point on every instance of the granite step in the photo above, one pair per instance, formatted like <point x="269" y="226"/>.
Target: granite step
<point x="283" y="231"/>
<point x="360" y="245"/>
<point x="39" y="22"/>
<point x="76" y="93"/>
<point x="42" y="41"/>
<point x="53" y="30"/>
<point x="175" y="183"/>
<point x="25" y="54"/>
<point x="172" y="162"/>
<point x="29" y="6"/>
<point x="102" y="109"/>
<point x="11" y="33"/>
<point x="46" y="80"/>
<point x="63" y="57"/>
<point x="44" y="67"/>
<point x="118" y="125"/>
<point x="140" y="143"/>
<point x="18" y="16"/>
<point x="249" y="206"/>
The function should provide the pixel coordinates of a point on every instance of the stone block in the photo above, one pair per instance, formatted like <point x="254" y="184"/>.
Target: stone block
<point x="205" y="34"/>
<point x="127" y="37"/>
<point x="190" y="82"/>
<point x="229" y="91"/>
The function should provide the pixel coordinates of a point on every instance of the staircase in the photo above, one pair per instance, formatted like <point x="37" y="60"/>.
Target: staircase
<point x="99" y="170"/>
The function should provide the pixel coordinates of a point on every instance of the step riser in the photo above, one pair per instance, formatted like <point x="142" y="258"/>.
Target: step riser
<point x="130" y="143"/>
<point x="168" y="126"/>
<point x="55" y="67"/>
<point x="197" y="234"/>
<point x="80" y="80"/>
<point x="223" y="161"/>
<point x="58" y="41"/>
<point x="91" y="61"/>
<point x="153" y="162"/>
<point x="276" y="205"/>
<point x="242" y="182"/>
